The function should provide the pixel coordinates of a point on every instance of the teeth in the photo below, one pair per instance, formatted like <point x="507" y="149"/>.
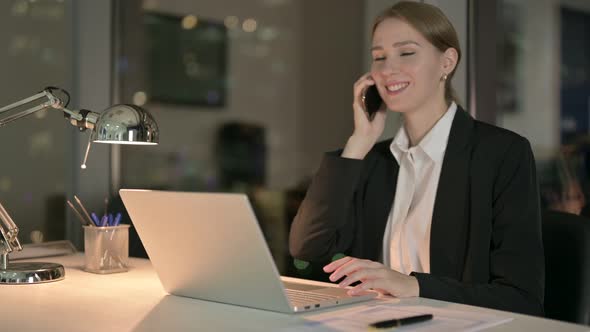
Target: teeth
<point x="397" y="87"/>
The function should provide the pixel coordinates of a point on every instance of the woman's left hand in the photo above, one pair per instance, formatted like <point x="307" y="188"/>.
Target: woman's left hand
<point x="372" y="275"/>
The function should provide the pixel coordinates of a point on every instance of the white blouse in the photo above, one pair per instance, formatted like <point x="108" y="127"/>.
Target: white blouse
<point x="406" y="242"/>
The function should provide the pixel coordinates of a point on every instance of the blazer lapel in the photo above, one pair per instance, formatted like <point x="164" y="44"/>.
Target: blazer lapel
<point x="379" y="199"/>
<point x="448" y="233"/>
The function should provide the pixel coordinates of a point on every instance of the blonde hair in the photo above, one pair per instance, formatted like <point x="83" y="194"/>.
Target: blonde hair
<point x="432" y="23"/>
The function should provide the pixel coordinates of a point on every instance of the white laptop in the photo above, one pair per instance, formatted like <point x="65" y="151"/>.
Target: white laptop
<point x="209" y="246"/>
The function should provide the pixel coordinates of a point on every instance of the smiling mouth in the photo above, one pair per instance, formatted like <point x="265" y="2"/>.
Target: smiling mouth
<point x="396" y="88"/>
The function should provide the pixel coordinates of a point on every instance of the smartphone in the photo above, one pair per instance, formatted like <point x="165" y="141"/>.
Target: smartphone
<point x="373" y="101"/>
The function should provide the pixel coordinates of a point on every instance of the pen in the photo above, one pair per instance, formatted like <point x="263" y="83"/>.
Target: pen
<point x="83" y="210"/>
<point x="400" y="321"/>
<point x="82" y="220"/>
<point x="95" y="219"/>
<point x="117" y="219"/>
<point x="106" y="205"/>
<point x="104" y="221"/>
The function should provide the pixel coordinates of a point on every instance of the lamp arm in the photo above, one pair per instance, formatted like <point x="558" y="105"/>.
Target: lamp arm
<point x="9" y="232"/>
<point x="81" y="119"/>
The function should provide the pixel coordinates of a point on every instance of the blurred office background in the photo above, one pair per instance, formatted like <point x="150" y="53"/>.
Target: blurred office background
<point x="248" y="94"/>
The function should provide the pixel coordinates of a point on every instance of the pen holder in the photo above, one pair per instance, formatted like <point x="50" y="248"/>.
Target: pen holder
<point x="106" y="249"/>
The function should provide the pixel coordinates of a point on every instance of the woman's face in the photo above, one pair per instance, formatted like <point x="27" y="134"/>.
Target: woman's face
<point x="406" y="67"/>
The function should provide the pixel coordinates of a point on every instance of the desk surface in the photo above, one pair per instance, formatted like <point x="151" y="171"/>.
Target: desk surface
<point x="135" y="301"/>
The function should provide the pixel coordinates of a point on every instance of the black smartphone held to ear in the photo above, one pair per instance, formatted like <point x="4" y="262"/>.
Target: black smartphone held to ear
<point x="372" y="101"/>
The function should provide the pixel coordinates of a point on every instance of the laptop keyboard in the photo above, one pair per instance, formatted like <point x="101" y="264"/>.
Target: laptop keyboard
<point x="298" y="297"/>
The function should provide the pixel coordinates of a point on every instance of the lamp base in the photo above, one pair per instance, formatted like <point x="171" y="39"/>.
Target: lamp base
<point x="31" y="273"/>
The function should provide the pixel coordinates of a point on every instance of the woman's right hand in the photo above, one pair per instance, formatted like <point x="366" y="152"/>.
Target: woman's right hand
<point x="366" y="132"/>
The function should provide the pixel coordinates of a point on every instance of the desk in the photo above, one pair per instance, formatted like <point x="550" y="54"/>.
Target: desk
<point x="135" y="301"/>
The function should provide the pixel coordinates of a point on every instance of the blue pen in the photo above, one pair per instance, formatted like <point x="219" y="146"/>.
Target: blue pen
<point x="117" y="219"/>
<point x="111" y="223"/>
<point x="104" y="221"/>
<point x="95" y="219"/>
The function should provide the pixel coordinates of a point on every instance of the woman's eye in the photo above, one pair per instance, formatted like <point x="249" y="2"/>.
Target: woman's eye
<point x="407" y="53"/>
<point x="379" y="58"/>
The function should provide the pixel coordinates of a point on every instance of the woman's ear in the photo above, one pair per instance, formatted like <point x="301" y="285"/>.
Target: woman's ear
<point x="449" y="60"/>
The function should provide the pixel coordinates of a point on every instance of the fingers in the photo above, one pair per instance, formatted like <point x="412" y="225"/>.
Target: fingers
<point x="363" y="275"/>
<point x="345" y="269"/>
<point x="376" y="284"/>
<point x="388" y="282"/>
<point x="367" y="128"/>
<point x="352" y="266"/>
<point x="359" y="88"/>
<point x="365" y="78"/>
<point x="380" y="115"/>
<point x="336" y="264"/>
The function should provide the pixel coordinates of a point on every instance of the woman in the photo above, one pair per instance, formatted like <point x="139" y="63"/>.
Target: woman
<point x="448" y="209"/>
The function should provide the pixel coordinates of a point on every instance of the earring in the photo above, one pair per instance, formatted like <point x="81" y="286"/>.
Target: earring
<point x="444" y="77"/>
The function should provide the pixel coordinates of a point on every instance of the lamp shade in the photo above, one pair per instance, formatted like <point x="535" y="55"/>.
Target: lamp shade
<point x="126" y="124"/>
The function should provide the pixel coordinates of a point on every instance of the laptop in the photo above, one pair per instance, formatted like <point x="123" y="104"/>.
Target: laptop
<point x="209" y="246"/>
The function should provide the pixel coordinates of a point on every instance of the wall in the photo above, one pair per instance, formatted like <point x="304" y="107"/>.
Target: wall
<point x="537" y="69"/>
<point x="294" y="85"/>
<point x="539" y="66"/>
<point x="53" y="43"/>
<point x="92" y="84"/>
<point x="331" y="51"/>
<point x="188" y="131"/>
<point x="36" y="41"/>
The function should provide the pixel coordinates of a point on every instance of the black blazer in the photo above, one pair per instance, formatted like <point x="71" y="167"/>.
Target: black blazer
<point x="485" y="242"/>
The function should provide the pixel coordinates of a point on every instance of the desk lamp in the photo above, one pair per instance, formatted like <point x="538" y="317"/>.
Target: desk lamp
<point x="118" y="124"/>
